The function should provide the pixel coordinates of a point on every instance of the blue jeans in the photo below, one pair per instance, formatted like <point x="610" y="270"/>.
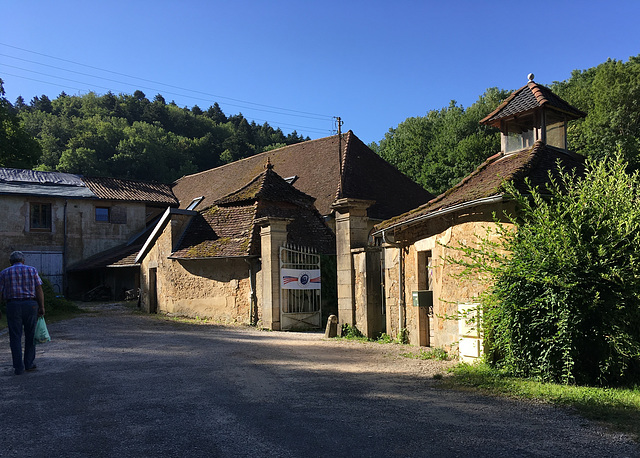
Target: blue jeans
<point x="22" y="313"/>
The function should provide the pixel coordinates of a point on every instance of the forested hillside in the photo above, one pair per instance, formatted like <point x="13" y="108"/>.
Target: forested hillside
<point x="129" y="136"/>
<point x="439" y="149"/>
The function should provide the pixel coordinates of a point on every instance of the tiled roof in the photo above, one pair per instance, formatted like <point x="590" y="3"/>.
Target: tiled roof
<point x="228" y="227"/>
<point x="130" y="190"/>
<point x="268" y="185"/>
<point x="120" y="256"/>
<point x="529" y="97"/>
<point x="316" y="163"/>
<point x="220" y="232"/>
<point x="533" y="163"/>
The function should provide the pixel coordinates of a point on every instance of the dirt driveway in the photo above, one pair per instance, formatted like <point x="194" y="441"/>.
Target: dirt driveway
<point x="115" y="383"/>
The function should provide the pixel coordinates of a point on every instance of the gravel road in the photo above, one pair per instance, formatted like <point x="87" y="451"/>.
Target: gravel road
<point x="117" y="383"/>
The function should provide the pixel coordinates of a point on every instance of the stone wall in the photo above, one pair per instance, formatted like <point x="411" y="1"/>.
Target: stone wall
<point x="87" y="237"/>
<point x="84" y="235"/>
<point x="218" y="289"/>
<point x="438" y="329"/>
<point x="370" y="319"/>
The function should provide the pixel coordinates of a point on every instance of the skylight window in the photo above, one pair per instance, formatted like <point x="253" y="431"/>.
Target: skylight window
<point x="194" y="203"/>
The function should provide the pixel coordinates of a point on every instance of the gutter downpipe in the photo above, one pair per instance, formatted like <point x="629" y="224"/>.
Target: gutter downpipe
<point x="64" y="251"/>
<point x="253" y="303"/>
<point x="401" y="302"/>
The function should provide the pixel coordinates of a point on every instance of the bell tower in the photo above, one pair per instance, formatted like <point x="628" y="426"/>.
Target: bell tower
<point x="530" y="114"/>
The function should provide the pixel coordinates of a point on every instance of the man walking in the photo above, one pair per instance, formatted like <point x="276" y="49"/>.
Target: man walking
<point x="21" y="288"/>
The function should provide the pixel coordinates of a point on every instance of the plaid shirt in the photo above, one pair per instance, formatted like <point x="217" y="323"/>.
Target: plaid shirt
<point x="19" y="282"/>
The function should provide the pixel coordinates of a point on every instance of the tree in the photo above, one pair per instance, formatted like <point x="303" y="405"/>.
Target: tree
<point x="565" y="301"/>
<point x="215" y="113"/>
<point x="439" y="149"/>
<point x="610" y="94"/>
<point x="122" y="135"/>
<point x="79" y="160"/>
<point x="17" y="148"/>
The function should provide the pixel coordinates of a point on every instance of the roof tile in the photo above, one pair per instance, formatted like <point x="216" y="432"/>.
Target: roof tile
<point x="527" y="98"/>
<point x="130" y="190"/>
<point x="488" y="179"/>
<point x="228" y="228"/>
<point x="316" y="163"/>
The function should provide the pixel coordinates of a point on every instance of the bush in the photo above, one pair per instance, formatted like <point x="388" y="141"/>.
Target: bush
<point x="351" y="332"/>
<point x="565" y="301"/>
<point x="53" y="303"/>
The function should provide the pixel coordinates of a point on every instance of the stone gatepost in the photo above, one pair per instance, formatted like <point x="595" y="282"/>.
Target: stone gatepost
<point x="351" y="232"/>
<point x="273" y="235"/>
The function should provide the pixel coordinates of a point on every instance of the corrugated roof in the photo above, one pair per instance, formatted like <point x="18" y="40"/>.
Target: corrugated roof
<point x="8" y="175"/>
<point x="47" y="190"/>
<point x="45" y="184"/>
<point x="316" y="163"/>
<point x="533" y="164"/>
<point x="131" y="190"/>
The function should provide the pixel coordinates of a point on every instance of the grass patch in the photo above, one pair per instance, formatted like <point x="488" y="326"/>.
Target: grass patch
<point x="435" y="353"/>
<point x="56" y="308"/>
<point x="353" y="333"/>
<point x="616" y="408"/>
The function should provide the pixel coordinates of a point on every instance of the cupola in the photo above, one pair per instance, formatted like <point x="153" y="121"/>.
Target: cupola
<point x="532" y="113"/>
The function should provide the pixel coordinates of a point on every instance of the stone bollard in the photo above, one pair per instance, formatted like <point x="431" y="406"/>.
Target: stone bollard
<point x="332" y="327"/>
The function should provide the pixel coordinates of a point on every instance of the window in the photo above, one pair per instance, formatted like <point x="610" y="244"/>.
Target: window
<point x="194" y="203"/>
<point x="40" y="218"/>
<point x="520" y="133"/>
<point x="102" y="214"/>
<point x="556" y="128"/>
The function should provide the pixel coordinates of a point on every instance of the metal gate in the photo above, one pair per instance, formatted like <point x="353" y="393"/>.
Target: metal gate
<point x="300" y="282"/>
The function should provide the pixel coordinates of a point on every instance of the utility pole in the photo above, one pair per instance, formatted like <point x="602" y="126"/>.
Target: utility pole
<point x="339" y="122"/>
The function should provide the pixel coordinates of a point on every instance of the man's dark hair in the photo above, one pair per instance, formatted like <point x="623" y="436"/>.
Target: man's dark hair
<point x="16" y="257"/>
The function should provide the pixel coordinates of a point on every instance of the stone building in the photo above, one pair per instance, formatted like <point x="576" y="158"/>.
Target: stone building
<point x="61" y="220"/>
<point x="421" y="289"/>
<point x="234" y="278"/>
<point x="223" y="261"/>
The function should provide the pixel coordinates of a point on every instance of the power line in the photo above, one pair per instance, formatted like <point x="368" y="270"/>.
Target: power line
<point x="273" y="123"/>
<point x="150" y="88"/>
<point x="157" y="82"/>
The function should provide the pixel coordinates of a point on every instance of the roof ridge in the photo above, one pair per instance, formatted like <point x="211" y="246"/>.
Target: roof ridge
<point x="538" y="92"/>
<point x="343" y="162"/>
<point x="504" y="103"/>
<point x="245" y="186"/>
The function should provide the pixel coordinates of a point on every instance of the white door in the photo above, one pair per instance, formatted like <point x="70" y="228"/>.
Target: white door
<point x="49" y="265"/>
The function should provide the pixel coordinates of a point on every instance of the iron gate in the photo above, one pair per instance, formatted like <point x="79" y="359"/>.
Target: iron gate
<point x="300" y="282"/>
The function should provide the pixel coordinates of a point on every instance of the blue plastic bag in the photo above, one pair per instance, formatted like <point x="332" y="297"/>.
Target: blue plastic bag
<point x="42" y="333"/>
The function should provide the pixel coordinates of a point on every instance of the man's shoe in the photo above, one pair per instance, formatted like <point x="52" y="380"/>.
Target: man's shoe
<point x="32" y="368"/>
<point x="17" y="372"/>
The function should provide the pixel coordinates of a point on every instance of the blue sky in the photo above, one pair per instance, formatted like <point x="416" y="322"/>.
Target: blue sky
<point x="296" y="64"/>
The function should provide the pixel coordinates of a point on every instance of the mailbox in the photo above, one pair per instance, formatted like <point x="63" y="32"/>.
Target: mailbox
<point x="423" y="299"/>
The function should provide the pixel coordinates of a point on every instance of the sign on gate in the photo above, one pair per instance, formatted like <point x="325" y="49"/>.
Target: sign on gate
<point x="299" y="279"/>
<point x="300" y="293"/>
